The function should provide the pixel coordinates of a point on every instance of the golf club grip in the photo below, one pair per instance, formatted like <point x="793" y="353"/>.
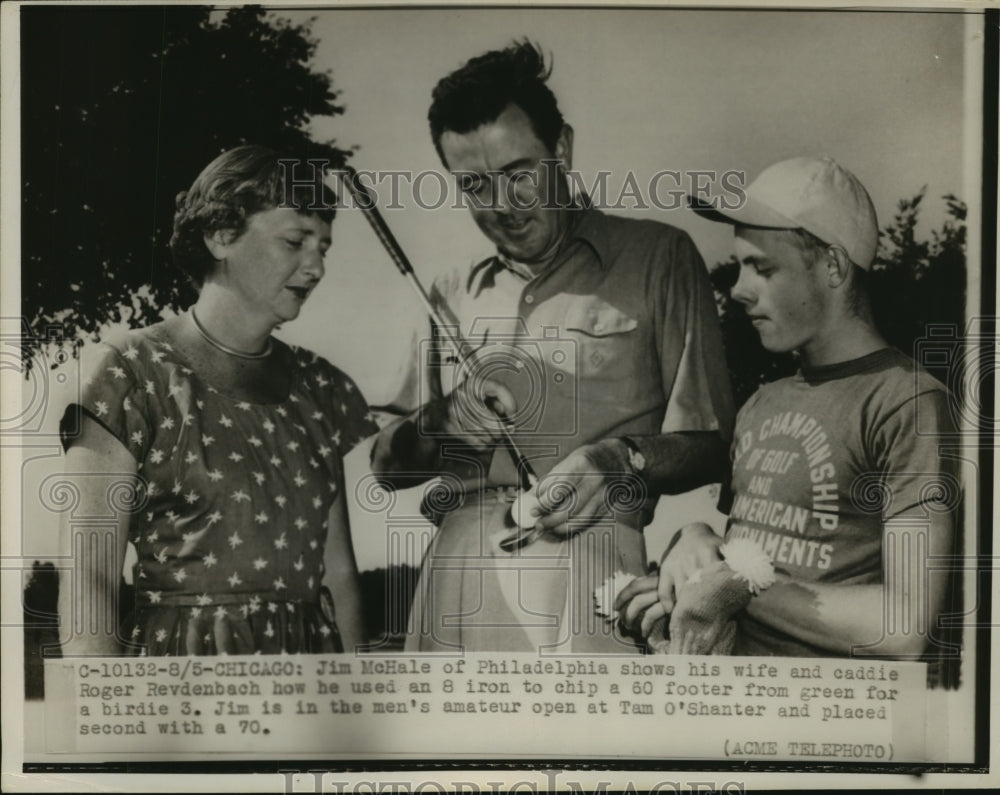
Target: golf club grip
<point x="349" y="177"/>
<point x="371" y="212"/>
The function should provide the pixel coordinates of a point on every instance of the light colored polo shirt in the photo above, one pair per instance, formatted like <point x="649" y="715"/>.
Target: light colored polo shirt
<point x="618" y="335"/>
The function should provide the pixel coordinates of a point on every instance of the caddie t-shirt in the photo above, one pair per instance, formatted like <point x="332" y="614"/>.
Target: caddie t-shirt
<point x="822" y="459"/>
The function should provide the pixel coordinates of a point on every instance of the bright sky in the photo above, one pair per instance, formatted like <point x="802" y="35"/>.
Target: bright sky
<point x="645" y="90"/>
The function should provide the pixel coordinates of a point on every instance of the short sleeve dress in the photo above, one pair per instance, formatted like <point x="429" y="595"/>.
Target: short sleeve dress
<point x="235" y="501"/>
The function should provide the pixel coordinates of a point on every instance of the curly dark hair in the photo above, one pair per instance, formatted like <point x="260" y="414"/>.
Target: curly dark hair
<point x="480" y="91"/>
<point x="236" y="185"/>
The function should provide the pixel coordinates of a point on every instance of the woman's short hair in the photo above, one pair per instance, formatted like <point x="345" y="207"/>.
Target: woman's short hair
<point x="236" y="185"/>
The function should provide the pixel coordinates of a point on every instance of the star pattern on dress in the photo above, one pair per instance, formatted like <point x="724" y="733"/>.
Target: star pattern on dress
<point x="194" y="542"/>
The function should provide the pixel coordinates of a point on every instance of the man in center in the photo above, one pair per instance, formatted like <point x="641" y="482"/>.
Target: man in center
<point x="596" y="337"/>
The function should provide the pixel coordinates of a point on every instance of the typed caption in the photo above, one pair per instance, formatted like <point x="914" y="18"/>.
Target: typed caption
<point x="753" y="708"/>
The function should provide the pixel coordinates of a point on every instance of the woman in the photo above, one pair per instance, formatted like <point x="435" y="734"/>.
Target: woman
<point x="237" y="439"/>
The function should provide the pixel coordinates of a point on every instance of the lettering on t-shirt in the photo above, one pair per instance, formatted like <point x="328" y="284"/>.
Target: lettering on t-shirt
<point x="764" y="456"/>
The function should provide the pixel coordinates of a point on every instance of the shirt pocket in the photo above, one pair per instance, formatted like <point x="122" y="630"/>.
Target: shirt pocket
<point x="605" y="339"/>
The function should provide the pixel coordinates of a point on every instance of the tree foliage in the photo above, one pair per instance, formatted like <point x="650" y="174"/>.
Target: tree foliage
<point x="913" y="282"/>
<point x="121" y="108"/>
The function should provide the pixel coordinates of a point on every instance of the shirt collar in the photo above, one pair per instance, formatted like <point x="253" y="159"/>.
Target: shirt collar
<point x="587" y="225"/>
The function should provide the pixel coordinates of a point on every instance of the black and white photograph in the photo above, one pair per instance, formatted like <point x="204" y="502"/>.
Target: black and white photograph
<point x="475" y="397"/>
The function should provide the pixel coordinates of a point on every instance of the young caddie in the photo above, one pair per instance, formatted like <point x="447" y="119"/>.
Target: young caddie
<point x="836" y="471"/>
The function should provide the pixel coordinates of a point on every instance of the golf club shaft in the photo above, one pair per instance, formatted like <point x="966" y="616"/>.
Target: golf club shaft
<point x="466" y="354"/>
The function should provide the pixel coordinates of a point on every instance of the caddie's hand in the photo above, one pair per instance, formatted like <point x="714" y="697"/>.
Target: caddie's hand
<point x="474" y="412"/>
<point x="575" y="494"/>
<point x="647" y="599"/>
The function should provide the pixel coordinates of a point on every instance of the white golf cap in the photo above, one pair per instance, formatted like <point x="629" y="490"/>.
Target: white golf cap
<point x="812" y="193"/>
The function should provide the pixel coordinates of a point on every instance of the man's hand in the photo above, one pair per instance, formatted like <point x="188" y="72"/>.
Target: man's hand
<point x="472" y="413"/>
<point x="654" y="596"/>
<point x="574" y="495"/>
